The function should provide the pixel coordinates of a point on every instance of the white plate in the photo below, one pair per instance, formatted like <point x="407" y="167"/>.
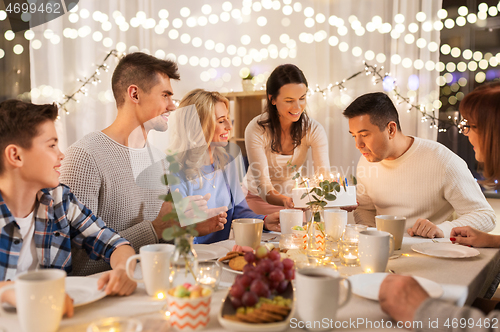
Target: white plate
<point x="445" y="250"/>
<point x="83" y="290"/>
<point x="207" y="252"/>
<point x="225" y="266"/>
<point x="367" y="285"/>
<point x="228" y="309"/>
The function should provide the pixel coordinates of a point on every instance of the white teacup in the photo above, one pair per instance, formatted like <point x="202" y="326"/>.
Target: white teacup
<point x="155" y="266"/>
<point x="248" y="232"/>
<point x="394" y="225"/>
<point x="374" y="250"/>
<point x="290" y="218"/>
<point x="40" y="299"/>
<point x="335" y="221"/>
<point x="318" y="295"/>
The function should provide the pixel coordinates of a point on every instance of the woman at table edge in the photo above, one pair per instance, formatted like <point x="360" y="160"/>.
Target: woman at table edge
<point x="402" y="297"/>
<point x="206" y="167"/>
<point x="284" y="132"/>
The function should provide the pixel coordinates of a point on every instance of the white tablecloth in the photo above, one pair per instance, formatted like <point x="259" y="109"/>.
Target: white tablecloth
<point x="462" y="281"/>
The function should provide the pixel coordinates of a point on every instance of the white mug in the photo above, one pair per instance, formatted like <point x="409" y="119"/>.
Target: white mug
<point x="318" y="295"/>
<point x="155" y="266"/>
<point x="335" y="221"/>
<point x="248" y="232"/>
<point x="40" y="299"/>
<point x="374" y="250"/>
<point x="290" y="218"/>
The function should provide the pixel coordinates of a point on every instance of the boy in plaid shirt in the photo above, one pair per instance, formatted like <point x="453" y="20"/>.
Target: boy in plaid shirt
<point x="40" y="219"/>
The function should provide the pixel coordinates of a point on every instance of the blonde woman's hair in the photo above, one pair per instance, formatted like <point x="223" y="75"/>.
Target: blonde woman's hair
<point x="192" y="159"/>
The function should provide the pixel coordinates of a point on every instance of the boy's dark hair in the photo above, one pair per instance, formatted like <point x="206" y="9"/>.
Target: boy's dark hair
<point x="19" y="123"/>
<point x="140" y="69"/>
<point x="378" y="106"/>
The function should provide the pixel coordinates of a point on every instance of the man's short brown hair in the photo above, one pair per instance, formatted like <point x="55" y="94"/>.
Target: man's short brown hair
<point x="140" y="69"/>
<point x="20" y="122"/>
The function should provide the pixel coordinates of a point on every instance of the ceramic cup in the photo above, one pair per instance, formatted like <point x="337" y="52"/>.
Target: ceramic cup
<point x="248" y="232"/>
<point x="40" y="299"/>
<point x="374" y="250"/>
<point x="394" y="225"/>
<point x="335" y="222"/>
<point x="155" y="266"/>
<point x="290" y="218"/>
<point x="318" y="294"/>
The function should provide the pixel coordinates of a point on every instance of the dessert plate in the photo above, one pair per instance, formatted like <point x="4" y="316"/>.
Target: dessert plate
<point x="368" y="285"/>
<point x="444" y="250"/>
<point x="207" y="252"/>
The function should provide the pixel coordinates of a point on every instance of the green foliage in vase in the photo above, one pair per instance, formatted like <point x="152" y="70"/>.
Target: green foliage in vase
<point x="180" y="206"/>
<point x="325" y="192"/>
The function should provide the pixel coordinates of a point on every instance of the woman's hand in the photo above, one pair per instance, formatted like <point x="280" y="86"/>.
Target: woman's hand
<point x="472" y="237"/>
<point x="272" y="222"/>
<point x="288" y="202"/>
<point x="350" y="208"/>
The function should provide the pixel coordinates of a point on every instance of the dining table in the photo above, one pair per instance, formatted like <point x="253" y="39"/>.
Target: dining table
<point x="462" y="280"/>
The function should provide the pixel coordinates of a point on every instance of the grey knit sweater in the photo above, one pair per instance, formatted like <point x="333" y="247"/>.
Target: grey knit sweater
<point x="119" y="184"/>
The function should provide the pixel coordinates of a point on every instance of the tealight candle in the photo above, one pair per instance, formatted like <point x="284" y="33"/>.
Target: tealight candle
<point x="348" y="253"/>
<point x="207" y="281"/>
<point x="208" y="274"/>
<point x="350" y="258"/>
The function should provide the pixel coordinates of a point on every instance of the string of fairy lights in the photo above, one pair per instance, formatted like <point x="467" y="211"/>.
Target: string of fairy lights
<point x="92" y="79"/>
<point x="374" y="70"/>
<point x="378" y="77"/>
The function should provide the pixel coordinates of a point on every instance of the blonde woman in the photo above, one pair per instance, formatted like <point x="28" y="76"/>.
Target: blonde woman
<point x="206" y="166"/>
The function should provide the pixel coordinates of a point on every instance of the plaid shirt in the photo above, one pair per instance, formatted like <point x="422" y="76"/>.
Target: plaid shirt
<point x="60" y="221"/>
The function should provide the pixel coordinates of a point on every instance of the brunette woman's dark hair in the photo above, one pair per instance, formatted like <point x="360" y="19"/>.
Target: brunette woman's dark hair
<point x="481" y="108"/>
<point x="282" y="75"/>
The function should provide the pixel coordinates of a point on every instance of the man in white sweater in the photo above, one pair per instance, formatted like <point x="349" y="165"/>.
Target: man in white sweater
<point x="116" y="173"/>
<point x="407" y="176"/>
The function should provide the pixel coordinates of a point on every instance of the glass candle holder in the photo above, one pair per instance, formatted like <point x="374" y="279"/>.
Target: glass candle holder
<point x="115" y="324"/>
<point x="209" y="274"/>
<point x="348" y="250"/>
<point x="290" y="241"/>
<point x="351" y="232"/>
<point x="348" y="253"/>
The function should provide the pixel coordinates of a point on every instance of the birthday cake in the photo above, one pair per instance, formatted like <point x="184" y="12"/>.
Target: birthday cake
<point x="345" y="197"/>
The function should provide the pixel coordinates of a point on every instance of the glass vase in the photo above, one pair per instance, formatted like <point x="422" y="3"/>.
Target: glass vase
<point x="184" y="262"/>
<point x="315" y="246"/>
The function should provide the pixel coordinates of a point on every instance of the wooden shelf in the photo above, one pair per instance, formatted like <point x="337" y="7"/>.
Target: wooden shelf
<point x="243" y="107"/>
<point x="244" y="94"/>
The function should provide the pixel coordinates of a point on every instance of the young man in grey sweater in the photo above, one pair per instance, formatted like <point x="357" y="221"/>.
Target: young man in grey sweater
<point x="102" y="168"/>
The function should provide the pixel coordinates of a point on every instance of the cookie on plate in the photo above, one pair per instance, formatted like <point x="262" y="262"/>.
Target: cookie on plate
<point x="237" y="263"/>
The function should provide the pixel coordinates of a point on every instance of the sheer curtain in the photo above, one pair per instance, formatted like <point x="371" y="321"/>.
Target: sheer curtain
<point x="212" y="41"/>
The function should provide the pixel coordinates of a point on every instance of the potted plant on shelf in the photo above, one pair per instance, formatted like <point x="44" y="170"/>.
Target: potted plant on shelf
<point x="247" y="83"/>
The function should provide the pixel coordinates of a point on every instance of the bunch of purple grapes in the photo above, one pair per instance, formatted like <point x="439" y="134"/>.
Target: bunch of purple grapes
<point x="269" y="274"/>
